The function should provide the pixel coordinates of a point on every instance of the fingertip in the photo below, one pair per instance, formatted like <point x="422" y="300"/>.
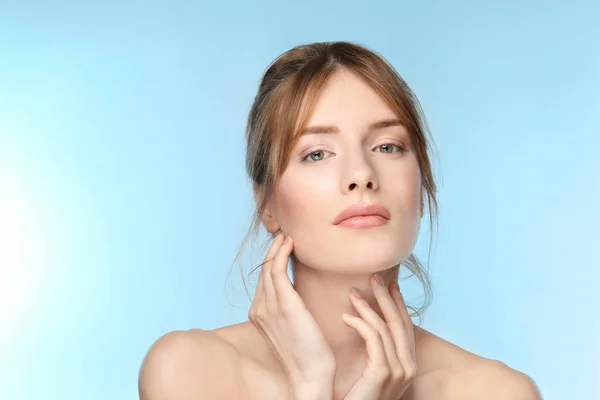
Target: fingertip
<point x="391" y="286"/>
<point x="347" y="319"/>
<point x="289" y="242"/>
<point x="398" y="297"/>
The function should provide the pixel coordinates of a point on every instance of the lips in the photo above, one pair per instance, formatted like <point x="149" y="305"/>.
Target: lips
<point x="361" y="210"/>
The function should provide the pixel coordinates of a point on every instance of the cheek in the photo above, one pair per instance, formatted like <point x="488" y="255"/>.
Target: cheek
<point x="401" y="186"/>
<point x="404" y="196"/>
<point x="302" y="203"/>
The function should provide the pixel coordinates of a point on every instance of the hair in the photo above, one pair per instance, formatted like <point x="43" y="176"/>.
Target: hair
<point x="287" y="94"/>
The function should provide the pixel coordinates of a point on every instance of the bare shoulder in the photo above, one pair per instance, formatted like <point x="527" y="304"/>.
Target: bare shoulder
<point x="494" y="380"/>
<point x="188" y="364"/>
<point x="449" y="371"/>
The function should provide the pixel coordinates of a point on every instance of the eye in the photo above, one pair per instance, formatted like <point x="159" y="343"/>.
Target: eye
<point x="318" y="156"/>
<point x="389" y="148"/>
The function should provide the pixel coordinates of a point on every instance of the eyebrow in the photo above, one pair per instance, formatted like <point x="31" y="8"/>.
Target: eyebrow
<point x="320" y="129"/>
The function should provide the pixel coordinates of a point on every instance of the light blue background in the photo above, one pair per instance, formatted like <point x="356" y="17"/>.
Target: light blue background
<point x="123" y="195"/>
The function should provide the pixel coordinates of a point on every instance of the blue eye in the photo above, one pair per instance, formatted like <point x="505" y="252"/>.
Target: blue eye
<point x="319" y="155"/>
<point x="401" y="149"/>
<point x="316" y="152"/>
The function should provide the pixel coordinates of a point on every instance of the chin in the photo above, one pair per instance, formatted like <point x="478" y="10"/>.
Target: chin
<point x="366" y="263"/>
<point x="352" y="262"/>
<point x="352" y="255"/>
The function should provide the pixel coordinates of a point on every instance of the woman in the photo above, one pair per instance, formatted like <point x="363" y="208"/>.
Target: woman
<point x="339" y="162"/>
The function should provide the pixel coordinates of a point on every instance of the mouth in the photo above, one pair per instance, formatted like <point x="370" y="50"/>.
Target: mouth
<point x="363" y="216"/>
<point x="363" y="221"/>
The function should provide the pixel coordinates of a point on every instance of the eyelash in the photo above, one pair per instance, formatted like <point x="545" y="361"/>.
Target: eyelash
<point x="401" y="148"/>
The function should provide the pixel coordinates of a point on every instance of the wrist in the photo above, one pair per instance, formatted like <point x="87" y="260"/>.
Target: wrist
<point x="313" y="393"/>
<point x="317" y="385"/>
<point x="321" y="390"/>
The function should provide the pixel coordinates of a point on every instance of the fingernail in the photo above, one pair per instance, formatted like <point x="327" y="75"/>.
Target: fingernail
<point x="379" y="279"/>
<point x="356" y="293"/>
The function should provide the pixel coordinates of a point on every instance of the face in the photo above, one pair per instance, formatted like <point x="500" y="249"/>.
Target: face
<point x="328" y="172"/>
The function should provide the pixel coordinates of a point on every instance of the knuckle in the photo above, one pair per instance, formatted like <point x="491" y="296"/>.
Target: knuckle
<point x="252" y="310"/>
<point x="383" y="328"/>
<point x="372" y="333"/>
<point x="397" y="375"/>
<point x="410" y="373"/>
<point x="260" y="315"/>
<point x="396" y="319"/>
<point x="274" y="273"/>
<point x="383" y="376"/>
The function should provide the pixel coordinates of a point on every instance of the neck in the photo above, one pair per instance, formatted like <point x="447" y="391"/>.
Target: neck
<point x="325" y="294"/>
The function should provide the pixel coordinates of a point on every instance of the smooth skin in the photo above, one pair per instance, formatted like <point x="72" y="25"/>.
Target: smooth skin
<point x="296" y="339"/>
<point x="313" y="339"/>
<point x="289" y="329"/>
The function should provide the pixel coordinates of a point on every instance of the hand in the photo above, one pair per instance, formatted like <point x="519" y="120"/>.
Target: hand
<point x="391" y="362"/>
<point x="289" y="329"/>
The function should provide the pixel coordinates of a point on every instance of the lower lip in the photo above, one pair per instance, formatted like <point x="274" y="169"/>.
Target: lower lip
<point x="365" y="221"/>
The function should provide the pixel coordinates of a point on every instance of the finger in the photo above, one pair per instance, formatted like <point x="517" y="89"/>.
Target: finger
<point x="409" y="343"/>
<point x="376" y="358"/>
<point x="275" y="245"/>
<point x="374" y="320"/>
<point x="393" y="317"/>
<point x="279" y="276"/>
<point x="259" y="295"/>
<point x="267" y="290"/>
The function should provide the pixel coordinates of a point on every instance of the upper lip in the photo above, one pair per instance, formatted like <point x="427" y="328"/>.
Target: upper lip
<point x="359" y="210"/>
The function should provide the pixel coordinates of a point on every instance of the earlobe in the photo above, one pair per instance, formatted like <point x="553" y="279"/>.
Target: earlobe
<point x="270" y="220"/>
<point x="268" y="217"/>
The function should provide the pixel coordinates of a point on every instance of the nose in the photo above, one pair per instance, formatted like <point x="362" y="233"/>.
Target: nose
<point x="360" y="175"/>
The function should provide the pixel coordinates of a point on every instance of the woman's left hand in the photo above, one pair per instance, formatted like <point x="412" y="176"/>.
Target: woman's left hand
<point x="391" y="361"/>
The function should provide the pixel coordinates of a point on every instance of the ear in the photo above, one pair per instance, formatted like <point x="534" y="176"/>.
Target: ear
<point x="268" y="217"/>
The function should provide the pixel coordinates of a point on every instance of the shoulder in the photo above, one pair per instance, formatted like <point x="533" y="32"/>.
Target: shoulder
<point x="184" y="364"/>
<point x="455" y="372"/>
<point x="494" y="380"/>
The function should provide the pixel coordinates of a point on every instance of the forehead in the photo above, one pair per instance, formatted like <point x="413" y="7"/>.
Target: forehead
<point x="347" y="98"/>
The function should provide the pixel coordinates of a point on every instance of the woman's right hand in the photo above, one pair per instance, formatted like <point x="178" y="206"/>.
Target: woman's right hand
<point x="288" y="327"/>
